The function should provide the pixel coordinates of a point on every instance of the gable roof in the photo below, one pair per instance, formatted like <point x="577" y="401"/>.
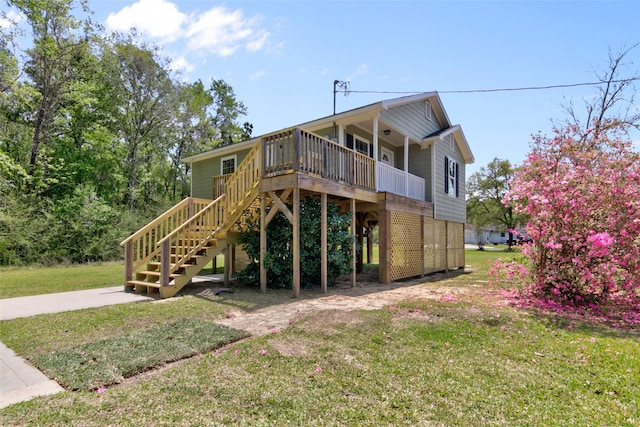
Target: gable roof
<point x="458" y="136"/>
<point x="367" y="112"/>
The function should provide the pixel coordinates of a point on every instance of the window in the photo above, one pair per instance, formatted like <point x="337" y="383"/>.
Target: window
<point x="427" y="110"/>
<point x="452" y="142"/>
<point x="451" y="172"/>
<point x="361" y="145"/>
<point x="228" y="164"/>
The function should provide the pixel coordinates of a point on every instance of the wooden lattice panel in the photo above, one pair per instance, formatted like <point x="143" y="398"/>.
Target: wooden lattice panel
<point x="406" y="245"/>
<point x="435" y="245"/>
<point x="455" y="245"/>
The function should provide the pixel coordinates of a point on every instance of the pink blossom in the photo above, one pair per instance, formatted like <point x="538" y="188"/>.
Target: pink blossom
<point x="101" y="390"/>
<point x="318" y="369"/>
<point x="263" y="352"/>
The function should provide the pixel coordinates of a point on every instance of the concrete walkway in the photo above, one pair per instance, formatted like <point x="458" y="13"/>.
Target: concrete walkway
<point x="19" y="381"/>
<point x="13" y="308"/>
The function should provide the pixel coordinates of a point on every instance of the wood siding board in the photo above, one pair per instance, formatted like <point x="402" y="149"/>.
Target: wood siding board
<point x="203" y="171"/>
<point x="449" y="208"/>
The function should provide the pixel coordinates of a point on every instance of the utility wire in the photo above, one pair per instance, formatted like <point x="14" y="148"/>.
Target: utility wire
<point x="347" y="91"/>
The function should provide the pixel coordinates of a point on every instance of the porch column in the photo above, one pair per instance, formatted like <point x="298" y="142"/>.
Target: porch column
<point x="227" y="263"/>
<point x="353" y="245"/>
<point x="323" y="244"/>
<point x="406" y="164"/>
<point x="296" y="242"/>
<point x="263" y="242"/>
<point x="375" y="138"/>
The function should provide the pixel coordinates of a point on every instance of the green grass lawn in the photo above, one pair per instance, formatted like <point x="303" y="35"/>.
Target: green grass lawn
<point x="25" y="281"/>
<point x="467" y="360"/>
<point x="17" y="282"/>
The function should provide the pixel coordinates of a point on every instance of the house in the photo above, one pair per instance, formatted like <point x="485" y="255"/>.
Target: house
<point x="476" y="235"/>
<point x="397" y="164"/>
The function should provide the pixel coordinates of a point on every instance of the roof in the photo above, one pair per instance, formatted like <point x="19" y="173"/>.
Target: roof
<point x="366" y="111"/>
<point x="459" y="137"/>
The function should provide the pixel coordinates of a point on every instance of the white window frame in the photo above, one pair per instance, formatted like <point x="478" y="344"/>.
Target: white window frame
<point x="390" y="154"/>
<point x="235" y="163"/>
<point x="452" y="142"/>
<point x="364" y="141"/>
<point x="427" y="111"/>
<point x="451" y="176"/>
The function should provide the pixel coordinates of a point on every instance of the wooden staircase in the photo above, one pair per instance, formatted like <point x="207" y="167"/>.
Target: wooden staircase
<point x="167" y="253"/>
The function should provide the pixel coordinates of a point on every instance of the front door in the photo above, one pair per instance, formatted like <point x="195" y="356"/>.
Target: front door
<point x="386" y="156"/>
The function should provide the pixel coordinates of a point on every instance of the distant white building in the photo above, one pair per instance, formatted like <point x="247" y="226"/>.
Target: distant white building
<point x="489" y="234"/>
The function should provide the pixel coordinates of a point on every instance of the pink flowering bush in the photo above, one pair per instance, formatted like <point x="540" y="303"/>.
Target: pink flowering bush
<point x="582" y="194"/>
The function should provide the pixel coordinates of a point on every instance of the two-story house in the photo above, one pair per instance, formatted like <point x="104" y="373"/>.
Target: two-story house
<point x="397" y="164"/>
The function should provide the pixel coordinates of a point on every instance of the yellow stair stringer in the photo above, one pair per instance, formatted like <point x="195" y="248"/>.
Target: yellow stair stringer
<point x="193" y="269"/>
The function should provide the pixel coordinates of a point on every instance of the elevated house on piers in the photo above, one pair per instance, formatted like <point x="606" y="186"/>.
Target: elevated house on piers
<point x="397" y="164"/>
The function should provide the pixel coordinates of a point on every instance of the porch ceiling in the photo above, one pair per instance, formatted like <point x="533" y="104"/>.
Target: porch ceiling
<point x="395" y="137"/>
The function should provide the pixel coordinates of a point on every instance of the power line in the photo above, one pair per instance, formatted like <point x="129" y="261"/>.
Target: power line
<point x="513" y="89"/>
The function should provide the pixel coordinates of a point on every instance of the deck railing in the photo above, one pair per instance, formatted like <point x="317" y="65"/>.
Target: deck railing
<point x="296" y="150"/>
<point x="399" y="182"/>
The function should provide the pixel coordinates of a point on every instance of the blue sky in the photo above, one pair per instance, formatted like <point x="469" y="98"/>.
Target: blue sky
<point x="281" y="57"/>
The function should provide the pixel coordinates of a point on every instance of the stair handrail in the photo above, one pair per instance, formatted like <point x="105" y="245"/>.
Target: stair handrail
<point x="179" y="206"/>
<point x="145" y="239"/>
<point x="243" y="179"/>
<point x="203" y="226"/>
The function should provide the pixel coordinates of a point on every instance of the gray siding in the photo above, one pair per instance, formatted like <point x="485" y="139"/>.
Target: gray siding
<point x="410" y="120"/>
<point x="446" y="207"/>
<point x="203" y="172"/>
<point x="420" y="165"/>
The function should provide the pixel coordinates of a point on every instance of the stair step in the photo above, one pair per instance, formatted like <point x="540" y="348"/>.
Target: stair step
<point x="143" y="283"/>
<point x="157" y="273"/>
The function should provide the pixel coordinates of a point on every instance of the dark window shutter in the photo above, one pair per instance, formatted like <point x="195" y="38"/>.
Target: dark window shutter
<point x="446" y="175"/>
<point x="457" y="179"/>
<point x="350" y="141"/>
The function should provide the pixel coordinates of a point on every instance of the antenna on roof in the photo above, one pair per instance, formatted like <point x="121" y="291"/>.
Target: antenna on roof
<point x="343" y="86"/>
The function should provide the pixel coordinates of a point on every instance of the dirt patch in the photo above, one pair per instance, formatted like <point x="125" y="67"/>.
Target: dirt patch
<point x="300" y="348"/>
<point x="331" y="322"/>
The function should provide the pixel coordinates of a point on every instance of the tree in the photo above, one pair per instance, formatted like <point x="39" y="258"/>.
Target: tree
<point x="228" y="110"/>
<point x="614" y="105"/>
<point x="144" y="99"/>
<point x="581" y="189"/>
<point x="486" y="190"/>
<point x="584" y="208"/>
<point x="53" y="63"/>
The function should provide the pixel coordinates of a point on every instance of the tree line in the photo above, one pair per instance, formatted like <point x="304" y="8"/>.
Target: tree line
<point x="92" y="130"/>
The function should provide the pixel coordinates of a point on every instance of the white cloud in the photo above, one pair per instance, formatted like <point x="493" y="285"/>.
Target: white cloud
<point x="181" y="64"/>
<point x="158" y="19"/>
<point x="257" y="75"/>
<point x="362" y="69"/>
<point x="222" y="32"/>
<point x="9" y="19"/>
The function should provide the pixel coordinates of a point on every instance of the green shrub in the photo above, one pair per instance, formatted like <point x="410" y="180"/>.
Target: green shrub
<point x="279" y="256"/>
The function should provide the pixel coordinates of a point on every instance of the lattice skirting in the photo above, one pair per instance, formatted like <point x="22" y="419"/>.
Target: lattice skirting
<point x="422" y="245"/>
<point x="406" y="245"/>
